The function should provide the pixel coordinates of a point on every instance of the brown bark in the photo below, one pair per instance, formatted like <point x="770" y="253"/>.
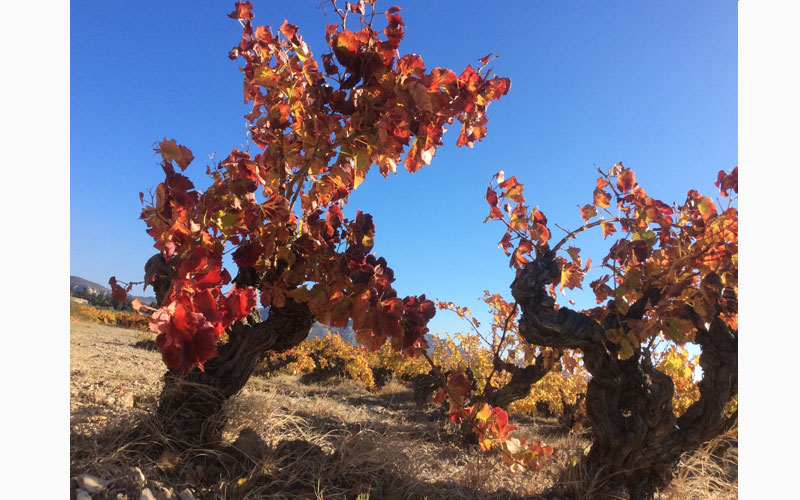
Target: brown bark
<point x="190" y="406"/>
<point x="522" y="379"/>
<point x="637" y="441"/>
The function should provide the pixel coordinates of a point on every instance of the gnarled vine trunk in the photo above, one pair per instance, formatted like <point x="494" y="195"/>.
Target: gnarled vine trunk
<point x="636" y="439"/>
<point x="191" y="403"/>
<point x="522" y="379"/>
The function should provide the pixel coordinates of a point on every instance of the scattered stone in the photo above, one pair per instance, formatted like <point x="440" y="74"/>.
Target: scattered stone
<point x="127" y="400"/>
<point x="92" y="484"/>
<point x="111" y="401"/>
<point x="138" y="477"/>
<point x="147" y="495"/>
<point x="82" y="495"/>
<point x="186" y="494"/>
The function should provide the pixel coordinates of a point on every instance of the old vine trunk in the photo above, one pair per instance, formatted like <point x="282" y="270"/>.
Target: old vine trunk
<point x="190" y="405"/>
<point x="636" y="439"/>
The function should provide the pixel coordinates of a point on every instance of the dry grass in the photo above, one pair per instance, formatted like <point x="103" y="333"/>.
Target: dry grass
<point x="710" y="473"/>
<point x="285" y="440"/>
<point x="332" y="440"/>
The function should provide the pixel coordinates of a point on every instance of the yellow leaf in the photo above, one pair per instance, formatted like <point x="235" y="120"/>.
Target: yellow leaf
<point x="484" y="413"/>
<point x="626" y="349"/>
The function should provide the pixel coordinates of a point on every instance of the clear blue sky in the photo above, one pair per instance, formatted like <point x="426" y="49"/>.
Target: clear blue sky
<point x="651" y="84"/>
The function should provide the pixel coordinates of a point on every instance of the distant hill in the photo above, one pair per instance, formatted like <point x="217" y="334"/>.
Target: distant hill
<point x="347" y="333"/>
<point x="78" y="284"/>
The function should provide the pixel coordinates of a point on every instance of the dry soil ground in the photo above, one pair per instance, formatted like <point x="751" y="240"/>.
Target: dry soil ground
<point x="288" y="440"/>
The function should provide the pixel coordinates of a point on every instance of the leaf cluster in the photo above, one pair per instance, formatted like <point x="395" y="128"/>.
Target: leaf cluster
<point x="320" y="127"/>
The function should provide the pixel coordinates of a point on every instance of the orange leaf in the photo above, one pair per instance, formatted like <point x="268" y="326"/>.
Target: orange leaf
<point x="601" y="198"/>
<point x="608" y="228"/>
<point x="626" y="180"/>
<point x="512" y="190"/>
<point x="571" y="277"/>
<point x="706" y="207"/>
<point x="588" y="211"/>
<point x="172" y="151"/>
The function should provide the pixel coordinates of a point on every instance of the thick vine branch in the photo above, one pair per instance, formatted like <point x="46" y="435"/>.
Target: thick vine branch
<point x="522" y="379"/>
<point x="541" y="323"/>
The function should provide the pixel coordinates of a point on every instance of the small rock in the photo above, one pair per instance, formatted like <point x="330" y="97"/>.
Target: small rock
<point x="186" y="494"/>
<point x="111" y="401"/>
<point x="251" y="444"/>
<point x="138" y="477"/>
<point x="83" y="495"/>
<point x="127" y="400"/>
<point x="168" y="492"/>
<point x="92" y="484"/>
<point x="147" y="495"/>
<point x="122" y="496"/>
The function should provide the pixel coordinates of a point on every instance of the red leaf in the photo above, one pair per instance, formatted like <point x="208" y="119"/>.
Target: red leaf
<point x="410" y="64"/>
<point x="491" y="197"/>
<point x="497" y="87"/>
<point x="117" y="292"/>
<point x="726" y="182"/>
<point x="329" y="65"/>
<point x="494" y="213"/>
<point x="459" y="384"/>
<point x="289" y="30"/>
<point x="243" y="11"/>
<point x="442" y="78"/>
<point x="240" y="302"/>
<point x="394" y="31"/>
<point x="247" y="255"/>
<point x="185" y="320"/>
<point x="205" y="303"/>
<point x="505" y="243"/>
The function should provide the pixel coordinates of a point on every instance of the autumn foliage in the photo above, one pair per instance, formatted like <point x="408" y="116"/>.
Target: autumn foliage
<point x="682" y="260"/>
<point x="107" y="317"/>
<point x="669" y="278"/>
<point x="319" y="128"/>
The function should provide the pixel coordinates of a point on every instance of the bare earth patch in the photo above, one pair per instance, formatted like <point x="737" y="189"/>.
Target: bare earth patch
<point x="285" y="439"/>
